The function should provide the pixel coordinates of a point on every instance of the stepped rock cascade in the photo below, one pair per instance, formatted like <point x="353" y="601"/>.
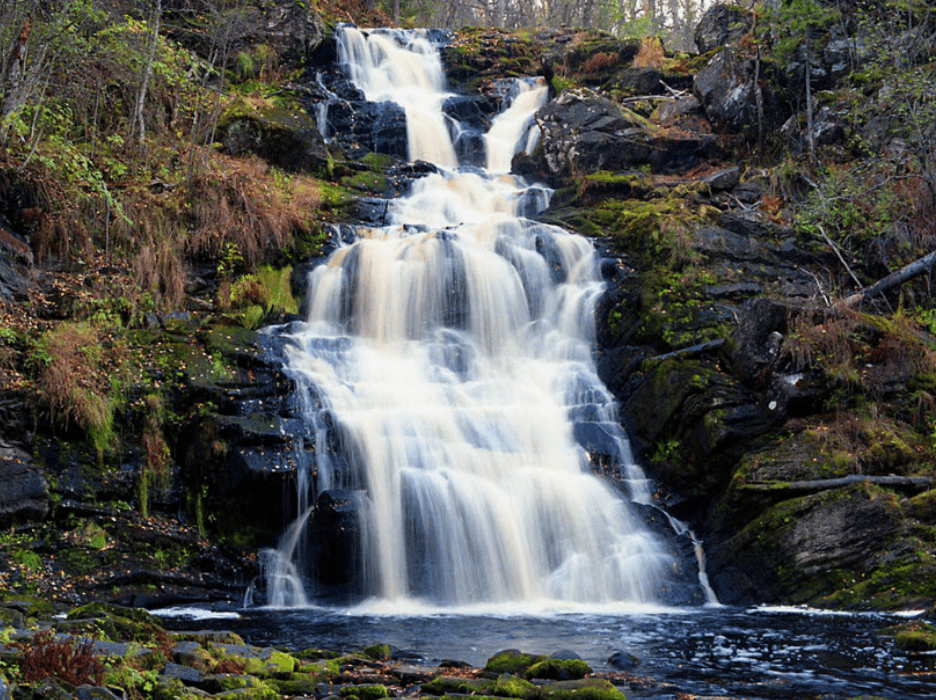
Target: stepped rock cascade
<point x="446" y="371"/>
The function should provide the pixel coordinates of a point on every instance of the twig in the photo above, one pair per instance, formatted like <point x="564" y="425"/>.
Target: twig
<point x="838" y="254"/>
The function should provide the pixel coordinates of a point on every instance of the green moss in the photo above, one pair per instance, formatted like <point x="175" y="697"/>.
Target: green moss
<point x="511" y="661"/>
<point x="377" y="161"/>
<point x="303" y="685"/>
<point x="916" y="635"/>
<point x="917" y="640"/>
<point x="365" y="692"/>
<point x="224" y="682"/>
<point x="585" y="689"/>
<point x="378" y="652"/>
<point x="445" y="685"/>
<point x="276" y="662"/>
<point x="558" y="669"/>
<point x="317" y="654"/>
<point x="505" y="686"/>
<point x="366" y="181"/>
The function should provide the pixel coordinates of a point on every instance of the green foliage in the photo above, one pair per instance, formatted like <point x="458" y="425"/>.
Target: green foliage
<point x="27" y="559"/>
<point x="797" y="23"/>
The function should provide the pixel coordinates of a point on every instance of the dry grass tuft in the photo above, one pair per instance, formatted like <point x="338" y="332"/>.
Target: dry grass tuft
<point x="73" y="384"/>
<point x="599" y="62"/>
<point x="240" y="205"/>
<point x="651" y="54"/>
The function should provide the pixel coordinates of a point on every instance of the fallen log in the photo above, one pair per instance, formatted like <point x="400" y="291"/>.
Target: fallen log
<point x="895" y="279"/>
<point x="917" y="483"/>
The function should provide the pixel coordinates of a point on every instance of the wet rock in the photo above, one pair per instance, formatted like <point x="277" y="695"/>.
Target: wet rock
<point x="641" y="81"/>
<point x="694" y="422"/>
<point x="335" y="546"/>
<point x="184" y="674"/>
<point x="24" y="492"/>
<point x="623" y="661"/>
<point x="721" y="25"/>
<point x="799" y="549"/>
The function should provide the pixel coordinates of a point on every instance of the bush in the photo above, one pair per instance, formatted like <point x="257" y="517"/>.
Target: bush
<point x="66" y="658"/>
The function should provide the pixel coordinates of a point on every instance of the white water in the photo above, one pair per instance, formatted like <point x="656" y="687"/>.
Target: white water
<point x="452" y="351"/>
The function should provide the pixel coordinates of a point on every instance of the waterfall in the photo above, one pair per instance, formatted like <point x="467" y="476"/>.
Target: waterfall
<point x="446" y="369"/>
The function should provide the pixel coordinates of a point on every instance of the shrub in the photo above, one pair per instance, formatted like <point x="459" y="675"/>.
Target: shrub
<point x="66" y="658"/>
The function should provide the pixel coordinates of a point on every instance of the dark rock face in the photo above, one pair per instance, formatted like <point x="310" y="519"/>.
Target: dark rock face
<point x="729" y="94"/>
<point x="584" y="133"/>
<point x="293" y="30"/>
<point x="287" y="139"/>
<point x="24" y="493"/>
<point x="805" y="543"/>
<point x="335" y="547"/>
<point x="361" y="127"/>
<point x="721" y="25"/>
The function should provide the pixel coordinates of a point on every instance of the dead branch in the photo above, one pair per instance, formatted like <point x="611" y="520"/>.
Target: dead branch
<point x="895" y="279"/>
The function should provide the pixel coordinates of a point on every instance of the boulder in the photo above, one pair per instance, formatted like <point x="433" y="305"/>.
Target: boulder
<point x="721" y="25"/>
<point x="727" y="89"/>
<point x="288" y="139"/>
<point x="803" y="548"/>
<point x="293" y="30"/>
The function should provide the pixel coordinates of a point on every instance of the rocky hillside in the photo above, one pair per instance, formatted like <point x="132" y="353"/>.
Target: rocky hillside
<point x="746" y="199"/>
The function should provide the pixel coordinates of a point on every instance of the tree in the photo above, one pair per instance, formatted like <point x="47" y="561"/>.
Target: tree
<point x="137" y="123"/>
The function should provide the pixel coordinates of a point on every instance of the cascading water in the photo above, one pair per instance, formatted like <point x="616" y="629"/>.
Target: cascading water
<point x="446" y="362"/>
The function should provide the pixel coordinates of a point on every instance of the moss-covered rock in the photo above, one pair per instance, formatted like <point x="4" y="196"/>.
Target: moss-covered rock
<point x="585" y="689"/>
<point x="917" y="638"/>
<point x="299" y="684"/>
<point x="511" y="661"/>
<point x="506" y="685"/>
<point x="558" y="669"/>
<point x="378" y="652"/>
<point x="364" y="692"/>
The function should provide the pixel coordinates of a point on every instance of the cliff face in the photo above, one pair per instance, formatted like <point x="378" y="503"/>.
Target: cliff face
<point x="738" y="197"/>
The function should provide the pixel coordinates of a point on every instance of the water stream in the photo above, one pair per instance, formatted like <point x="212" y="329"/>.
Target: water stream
<point x="446" y="359"/>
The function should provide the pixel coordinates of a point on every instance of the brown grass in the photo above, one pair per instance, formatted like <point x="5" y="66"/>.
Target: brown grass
<point x="651" y="54"/>
<point x="599" y="62"/>
<point x="72" y="383"/>
<point x="239" y="204"/>
<point x="874" y="354"/>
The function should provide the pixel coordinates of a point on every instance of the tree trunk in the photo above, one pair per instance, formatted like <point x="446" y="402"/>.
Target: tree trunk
<point x="895" y="279"/>
<point x="138" y="123"/>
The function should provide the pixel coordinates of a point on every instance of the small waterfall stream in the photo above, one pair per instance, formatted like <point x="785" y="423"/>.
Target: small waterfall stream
<point x="446" y="369"/>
